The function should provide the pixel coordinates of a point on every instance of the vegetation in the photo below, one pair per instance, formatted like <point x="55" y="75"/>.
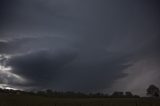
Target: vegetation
<point x="153" y="91"/>
<point x="55" y="94"/>
<point x="53" y="98"/>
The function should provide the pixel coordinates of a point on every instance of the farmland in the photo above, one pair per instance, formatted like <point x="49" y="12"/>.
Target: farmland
<point x="49" y="101"/>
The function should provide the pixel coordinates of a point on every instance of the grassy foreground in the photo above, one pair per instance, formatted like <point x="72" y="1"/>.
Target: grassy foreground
<point x="48" y="101"/>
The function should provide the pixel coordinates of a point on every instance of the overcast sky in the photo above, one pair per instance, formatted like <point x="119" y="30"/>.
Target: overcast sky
<point x="80" y="45"/>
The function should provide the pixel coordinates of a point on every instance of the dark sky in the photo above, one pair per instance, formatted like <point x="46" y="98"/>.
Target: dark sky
<point x="80" y="45"/>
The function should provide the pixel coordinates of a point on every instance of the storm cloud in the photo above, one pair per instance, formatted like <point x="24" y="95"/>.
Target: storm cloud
<point x="41" y="67"/>
<point x="81" y="45"/>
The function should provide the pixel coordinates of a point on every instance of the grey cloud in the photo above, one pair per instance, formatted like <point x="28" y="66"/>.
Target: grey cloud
<point x="11" y="79"/>
<point x="105" y="34"/>
<point x="30" y="44"/>
<point x="139" y="75"/>
<point x="41" y="68"/>
<point x="59" y="70"/>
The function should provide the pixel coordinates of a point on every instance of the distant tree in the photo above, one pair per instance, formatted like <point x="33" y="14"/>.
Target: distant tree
<point x="99" y="95"/>
<point x="49" y="91"/>
<point x="153" y="91"/>
<point x="40" y="93"/>
<point x="128" y="94"/>
<point x="117" y="94"/>
<point x="136" y="96"/>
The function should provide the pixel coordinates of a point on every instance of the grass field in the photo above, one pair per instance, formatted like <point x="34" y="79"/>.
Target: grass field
<point x="46" y="101"/>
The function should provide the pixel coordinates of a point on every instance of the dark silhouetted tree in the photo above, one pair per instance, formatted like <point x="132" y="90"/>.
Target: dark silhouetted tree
<point x="153" y="91"/>
<point x="41" y="93"/>
<point x="117" y="94"/>
<point x="49" y="91"/>
<point x="128" y="94"/>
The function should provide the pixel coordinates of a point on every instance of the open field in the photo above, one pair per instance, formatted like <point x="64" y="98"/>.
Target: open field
<point x="46" y="101"/>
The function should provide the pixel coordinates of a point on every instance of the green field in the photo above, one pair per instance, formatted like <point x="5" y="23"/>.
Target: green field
<point x="46" y="101"/>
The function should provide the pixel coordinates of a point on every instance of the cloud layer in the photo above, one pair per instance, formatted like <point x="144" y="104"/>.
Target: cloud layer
<point x="81" y="45"/>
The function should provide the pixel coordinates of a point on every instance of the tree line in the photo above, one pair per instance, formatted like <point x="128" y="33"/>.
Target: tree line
<point x="70" y="94"/>
<point x="151" y="91"/>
